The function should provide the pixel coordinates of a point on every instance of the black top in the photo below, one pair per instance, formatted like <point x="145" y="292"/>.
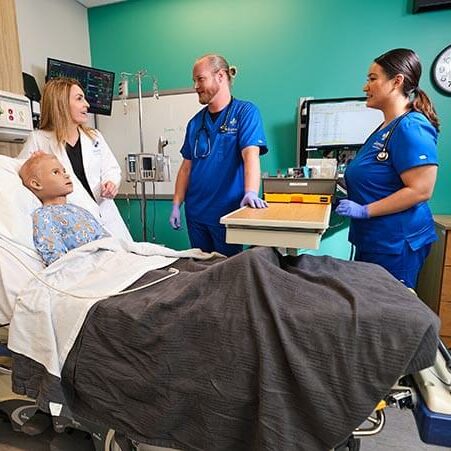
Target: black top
<point x="76" y="160"/>
<point x="214" y="116"/>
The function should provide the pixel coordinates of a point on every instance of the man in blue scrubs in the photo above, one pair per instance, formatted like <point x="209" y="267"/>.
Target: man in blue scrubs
<point x="221" y="167"/>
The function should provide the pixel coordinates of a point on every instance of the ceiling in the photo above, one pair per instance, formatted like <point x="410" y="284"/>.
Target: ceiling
<point x="92" y="3"/>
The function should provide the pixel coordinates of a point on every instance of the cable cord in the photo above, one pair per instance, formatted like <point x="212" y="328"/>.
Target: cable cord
<point x="172" y="272"/>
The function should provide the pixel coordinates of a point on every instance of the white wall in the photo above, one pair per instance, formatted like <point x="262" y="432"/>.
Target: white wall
<point x="51" y="28"/>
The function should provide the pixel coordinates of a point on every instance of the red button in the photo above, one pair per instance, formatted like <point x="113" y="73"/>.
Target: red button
<point x="11" y="118"/>
<point x="10" y="111"/>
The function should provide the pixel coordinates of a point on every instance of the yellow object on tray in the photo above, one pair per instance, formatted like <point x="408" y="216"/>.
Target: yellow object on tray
<point x="299" y="197"/>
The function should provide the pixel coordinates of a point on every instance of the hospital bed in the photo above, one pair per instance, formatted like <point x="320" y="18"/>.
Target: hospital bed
<point x="258" y="351"/>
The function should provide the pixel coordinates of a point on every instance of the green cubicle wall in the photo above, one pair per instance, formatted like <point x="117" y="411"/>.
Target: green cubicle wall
<point x="284" y="50"/>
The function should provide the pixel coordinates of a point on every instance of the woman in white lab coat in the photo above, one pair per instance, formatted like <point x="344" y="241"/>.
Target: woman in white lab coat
<point x="82" y="150"/>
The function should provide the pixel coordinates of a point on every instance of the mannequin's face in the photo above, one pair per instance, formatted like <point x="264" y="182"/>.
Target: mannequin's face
<point x="51" y="180"/>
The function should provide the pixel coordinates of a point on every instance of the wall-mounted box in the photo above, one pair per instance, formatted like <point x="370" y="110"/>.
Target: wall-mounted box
<point x="420" y="6"/>
<point x="15" y="117"/>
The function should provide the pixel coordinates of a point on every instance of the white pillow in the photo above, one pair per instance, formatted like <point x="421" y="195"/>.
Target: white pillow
<point x="17" y="204"/>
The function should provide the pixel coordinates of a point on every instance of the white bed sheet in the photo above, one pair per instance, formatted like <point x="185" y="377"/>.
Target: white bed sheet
<point x="45" y="322"/>
<point x="13" y="275"/>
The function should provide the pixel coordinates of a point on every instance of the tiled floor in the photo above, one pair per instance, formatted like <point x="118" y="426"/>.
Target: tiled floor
<point x="399" y="434"/>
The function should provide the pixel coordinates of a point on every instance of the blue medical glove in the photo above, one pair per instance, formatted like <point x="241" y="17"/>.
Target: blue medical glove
<point x="352" y="209"/>
<point x="174" y="219"/>
<point x="251" y="198"/>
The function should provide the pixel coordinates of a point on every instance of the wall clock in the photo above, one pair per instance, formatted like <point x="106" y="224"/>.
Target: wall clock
<point x="441" y="71"/>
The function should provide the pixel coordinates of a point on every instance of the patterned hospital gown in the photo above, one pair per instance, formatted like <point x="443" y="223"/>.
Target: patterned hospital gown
<point x="59" y="228"/>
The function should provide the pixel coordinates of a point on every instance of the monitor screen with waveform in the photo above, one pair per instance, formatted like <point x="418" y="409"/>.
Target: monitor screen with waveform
<point x="97" y="84"/>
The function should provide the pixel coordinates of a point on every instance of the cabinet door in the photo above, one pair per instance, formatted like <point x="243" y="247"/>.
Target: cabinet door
<point x="445" y="295"/>
<point x="446" y="286"/>
<point x="10" y="67"/>
<point x="429" y="288"/>
<point x="448" y="249"/>
<point x="445" y="320"/>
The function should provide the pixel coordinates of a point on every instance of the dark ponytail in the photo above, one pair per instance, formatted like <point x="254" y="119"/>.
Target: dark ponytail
<point x="423" y="104"/>
<point x="407" y="63"/>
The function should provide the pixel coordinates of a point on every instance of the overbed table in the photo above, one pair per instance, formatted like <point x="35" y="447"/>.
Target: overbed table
<point x="290" y="225"/>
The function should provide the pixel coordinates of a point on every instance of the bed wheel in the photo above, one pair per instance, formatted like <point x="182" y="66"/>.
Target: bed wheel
<point x="351" y="444"/>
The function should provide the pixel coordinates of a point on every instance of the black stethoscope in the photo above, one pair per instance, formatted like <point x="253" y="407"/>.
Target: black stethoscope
<point x="383" y="154"/>
<point x="222" y="129"/>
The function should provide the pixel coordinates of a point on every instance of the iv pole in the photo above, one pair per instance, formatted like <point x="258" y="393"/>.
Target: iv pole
<point x="123" y="92"/>
<point x="139" y="76"/>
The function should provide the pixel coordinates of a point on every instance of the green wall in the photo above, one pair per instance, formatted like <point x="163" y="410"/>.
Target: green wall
<point x="284" y="49"/>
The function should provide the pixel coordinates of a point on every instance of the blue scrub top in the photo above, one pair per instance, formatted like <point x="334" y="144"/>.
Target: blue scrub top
<point x="216" y="183"/>
<point x="413" y="143"/>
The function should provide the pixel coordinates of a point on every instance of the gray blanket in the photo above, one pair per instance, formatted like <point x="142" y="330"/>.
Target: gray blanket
<point x="256" y="352"/>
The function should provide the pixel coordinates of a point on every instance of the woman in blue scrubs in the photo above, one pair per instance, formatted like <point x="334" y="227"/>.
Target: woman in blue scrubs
<point x="393" y="175"/>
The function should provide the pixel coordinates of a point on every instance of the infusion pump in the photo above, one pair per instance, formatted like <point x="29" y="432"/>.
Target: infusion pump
<point x="149" y="167"/>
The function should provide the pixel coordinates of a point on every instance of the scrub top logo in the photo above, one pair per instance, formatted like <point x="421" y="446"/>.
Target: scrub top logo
<point x="377" y="145"/>
<point x="232" y="127"/>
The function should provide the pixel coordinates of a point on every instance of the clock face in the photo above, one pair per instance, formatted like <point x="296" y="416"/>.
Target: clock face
<point x="441" y="71"/>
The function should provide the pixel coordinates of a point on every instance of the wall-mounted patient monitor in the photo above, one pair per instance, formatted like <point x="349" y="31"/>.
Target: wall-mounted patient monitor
<point x="97" y="84"/>
<point x="339" y="124"/>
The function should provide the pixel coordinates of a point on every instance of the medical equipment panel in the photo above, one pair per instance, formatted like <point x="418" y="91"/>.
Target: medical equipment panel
<point x="299" y="190"/>
<point x="15" y="117"/>
<point x="147" y="167"/>
<point x="298" y="185"/>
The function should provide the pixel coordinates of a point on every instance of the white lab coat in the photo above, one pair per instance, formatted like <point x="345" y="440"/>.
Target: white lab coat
<point x="100" y="166"/>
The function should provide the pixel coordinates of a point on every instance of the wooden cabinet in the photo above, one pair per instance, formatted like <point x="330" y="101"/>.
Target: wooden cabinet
<point x="10" y="64"/>
<point x="434" y="282"/>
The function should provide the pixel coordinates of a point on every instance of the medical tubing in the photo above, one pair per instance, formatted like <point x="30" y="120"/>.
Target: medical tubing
<point x="154" y="199"/>
<point x="173" y="272"/>
<point x="352" y="254"/>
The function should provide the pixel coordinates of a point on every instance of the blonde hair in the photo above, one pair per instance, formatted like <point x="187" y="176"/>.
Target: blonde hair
<point x="55" y="108"/>
<point x="30" y="169"/>
<point x="217" y="63"/>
